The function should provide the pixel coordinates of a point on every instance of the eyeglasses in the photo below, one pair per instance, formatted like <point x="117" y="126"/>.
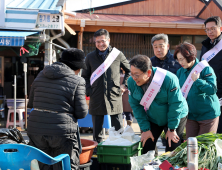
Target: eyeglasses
<point x="136" y="76"/>
<point x="102" y="41"/>
<point x="210" y="29"/>
<point x="180" y="60"/>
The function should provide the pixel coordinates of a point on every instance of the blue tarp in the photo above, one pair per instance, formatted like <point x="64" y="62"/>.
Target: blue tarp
<point x="87" y="121"/>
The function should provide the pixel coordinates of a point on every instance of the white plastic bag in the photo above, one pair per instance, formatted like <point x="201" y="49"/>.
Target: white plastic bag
<point x="122" y="137"/>
<point x="218" y="145"/>
<point x="137" y="162"/>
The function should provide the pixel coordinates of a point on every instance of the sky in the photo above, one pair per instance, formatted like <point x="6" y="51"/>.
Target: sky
<point x="75" y="5"/>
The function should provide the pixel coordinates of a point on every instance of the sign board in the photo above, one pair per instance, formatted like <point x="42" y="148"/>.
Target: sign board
<point x="83" y="23"/>
<point x="12" y="41"/>
<point x="49" y="21"/>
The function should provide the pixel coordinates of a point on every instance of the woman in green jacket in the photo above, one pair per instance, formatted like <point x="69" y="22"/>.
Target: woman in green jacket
<point x="203" y="103"/>
<point x="167" y="109"/>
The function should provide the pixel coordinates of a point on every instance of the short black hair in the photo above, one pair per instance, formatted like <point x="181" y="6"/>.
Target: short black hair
<point x="215" y="19"/>
<point x="141" y="62"/>
<point x="101" y="32"/>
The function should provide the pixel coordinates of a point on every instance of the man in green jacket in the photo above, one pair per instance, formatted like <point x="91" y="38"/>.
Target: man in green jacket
<point x="167" y="109"/>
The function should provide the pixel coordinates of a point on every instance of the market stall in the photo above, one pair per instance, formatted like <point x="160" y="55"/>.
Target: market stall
<point x="200" y="153"/>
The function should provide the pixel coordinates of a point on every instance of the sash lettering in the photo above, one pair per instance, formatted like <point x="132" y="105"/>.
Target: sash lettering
<point x="104" y="66"/>
<point x="189" y="82"/>
<point x="211" y="53"/>
<point x="154" y="88"/>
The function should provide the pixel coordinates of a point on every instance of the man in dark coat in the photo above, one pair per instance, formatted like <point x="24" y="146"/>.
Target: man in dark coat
<point x="213" y="30"/>
<point x="105" y="93"/>
<point x="58" y="98"/>
<point x="163" y="58"/>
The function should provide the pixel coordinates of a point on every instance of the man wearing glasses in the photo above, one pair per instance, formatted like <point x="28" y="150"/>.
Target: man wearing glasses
<point x="212" y="52"/>
<point x="103" y="83"/>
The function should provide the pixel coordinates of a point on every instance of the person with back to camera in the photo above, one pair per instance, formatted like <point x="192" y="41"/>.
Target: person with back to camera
<point x="198" y="85"/>
<point x="58" y="98"/>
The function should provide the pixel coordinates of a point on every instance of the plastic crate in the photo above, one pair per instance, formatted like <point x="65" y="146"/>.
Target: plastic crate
<point x="106" y="166"/>
<point x="117" y="158"/>
<point x="120" y="150"/>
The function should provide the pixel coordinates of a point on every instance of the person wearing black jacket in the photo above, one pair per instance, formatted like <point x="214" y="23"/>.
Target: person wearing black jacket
<point x="163" y="58"/>
<point x="58" y="98"/>
<point x="213" y="30"/>
<point x="106" y="92"/>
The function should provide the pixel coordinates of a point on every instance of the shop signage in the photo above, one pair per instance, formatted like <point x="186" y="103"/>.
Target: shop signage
<point x="12" y="41"/>
<point x="49" y="21"/>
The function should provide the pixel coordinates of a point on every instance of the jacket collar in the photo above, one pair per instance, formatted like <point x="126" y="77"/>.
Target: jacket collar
<point x="188" y="70"/>
<point x="109" y="50"/>
<point x="207" y="42"/>
<point x="97" y="52"/>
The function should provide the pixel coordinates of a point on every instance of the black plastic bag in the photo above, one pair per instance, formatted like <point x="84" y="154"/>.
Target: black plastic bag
<point x="11" y="136"/>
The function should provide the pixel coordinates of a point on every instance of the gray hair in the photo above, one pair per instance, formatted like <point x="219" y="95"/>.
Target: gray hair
<point x="160" y="37"/>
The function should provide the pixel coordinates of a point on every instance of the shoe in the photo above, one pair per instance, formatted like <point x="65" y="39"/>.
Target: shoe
<point x="129" y="122"/>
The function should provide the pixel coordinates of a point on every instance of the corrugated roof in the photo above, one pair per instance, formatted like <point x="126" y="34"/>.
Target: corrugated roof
<point x="138" y="18"/>
<point x="46" y="6"/>
<point x="137" y="21"/>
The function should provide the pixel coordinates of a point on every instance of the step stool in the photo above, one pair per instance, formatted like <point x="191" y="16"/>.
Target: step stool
<point x="20" y="122"/>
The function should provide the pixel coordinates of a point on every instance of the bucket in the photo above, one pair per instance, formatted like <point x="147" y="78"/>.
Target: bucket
<point x="20" y="103"/>
<point x="87" y="150"/>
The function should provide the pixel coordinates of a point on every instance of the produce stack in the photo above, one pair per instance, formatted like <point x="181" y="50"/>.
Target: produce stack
<point x="208" y="154"/>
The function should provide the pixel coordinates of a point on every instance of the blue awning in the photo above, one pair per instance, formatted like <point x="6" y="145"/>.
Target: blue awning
<point x="14" y="38"/>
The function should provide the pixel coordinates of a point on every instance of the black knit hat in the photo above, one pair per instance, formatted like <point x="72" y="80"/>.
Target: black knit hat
<point x="74" y="58"/>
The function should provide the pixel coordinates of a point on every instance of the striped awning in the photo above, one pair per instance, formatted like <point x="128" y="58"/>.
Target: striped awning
<point x="14" y="38"/>
<point x="21" y="18"/>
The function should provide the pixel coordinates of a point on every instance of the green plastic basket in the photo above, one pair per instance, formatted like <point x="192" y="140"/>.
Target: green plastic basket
<point x="119" y="150"/>
<point x="117" y="158"/>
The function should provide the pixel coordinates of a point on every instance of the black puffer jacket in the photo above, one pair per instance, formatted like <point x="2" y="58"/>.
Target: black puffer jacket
<point x="58" y="90"/>
<point x="169" y="63"/>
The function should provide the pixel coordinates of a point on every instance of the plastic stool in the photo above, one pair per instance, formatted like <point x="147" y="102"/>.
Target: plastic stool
<point x="20" y="122"/>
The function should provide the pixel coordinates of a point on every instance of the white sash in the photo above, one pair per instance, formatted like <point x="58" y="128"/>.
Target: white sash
<point x="189" y="82"/>
<point x="153" y="88"/>
<point x="104" y="66"/>
<point x="211" y="53"/>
